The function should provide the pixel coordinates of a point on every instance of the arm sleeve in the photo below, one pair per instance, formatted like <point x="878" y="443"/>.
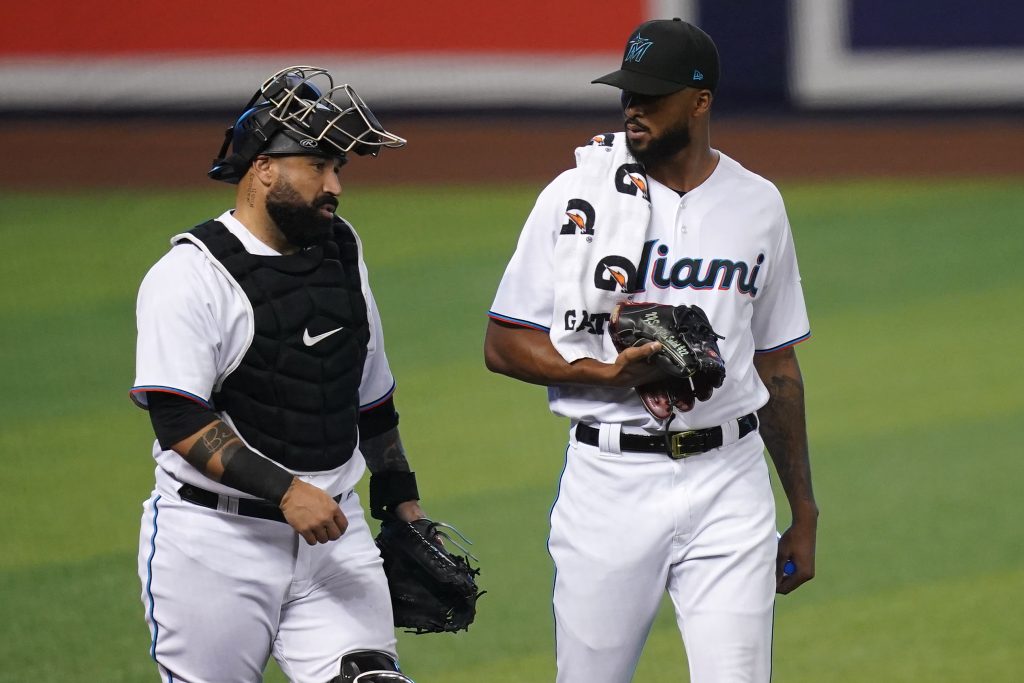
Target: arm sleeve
<point x="178" y="336"/>
<point x="377" y="384"/>
<point x="780" y="315"/>
<point x="525" y="296"/>
<point x="175" y="417"/>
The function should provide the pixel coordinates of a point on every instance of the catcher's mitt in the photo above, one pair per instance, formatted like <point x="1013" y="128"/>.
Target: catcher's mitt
<point x="689" y="355"/>
<point x="432" y="590"/>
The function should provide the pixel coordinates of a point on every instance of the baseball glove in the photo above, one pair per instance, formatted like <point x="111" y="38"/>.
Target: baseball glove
<point x="689" y="357"/>
<point x="432" y="589"/>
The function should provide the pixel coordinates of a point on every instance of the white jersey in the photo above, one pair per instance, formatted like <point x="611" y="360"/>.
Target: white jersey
<point x="194" y="326"/>
<point x="735" y="218"/>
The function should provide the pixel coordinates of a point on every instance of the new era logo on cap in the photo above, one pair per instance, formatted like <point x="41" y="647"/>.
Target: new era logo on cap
<point x="697" y="75"/>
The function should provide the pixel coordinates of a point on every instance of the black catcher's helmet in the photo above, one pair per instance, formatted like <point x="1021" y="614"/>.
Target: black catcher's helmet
<point x="370" y="666"/>
<point x="299" y="110"/>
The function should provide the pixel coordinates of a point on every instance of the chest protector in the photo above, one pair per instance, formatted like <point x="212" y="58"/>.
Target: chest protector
<point x="294" y="396"/>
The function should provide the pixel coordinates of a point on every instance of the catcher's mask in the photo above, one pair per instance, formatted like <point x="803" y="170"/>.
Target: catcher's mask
<point x="299" y="110"/>
<point x="370" y="666"/>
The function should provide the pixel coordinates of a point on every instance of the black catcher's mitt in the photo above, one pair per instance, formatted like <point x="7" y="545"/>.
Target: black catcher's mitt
<point x="432" y="590"/>
<point x="689" y="357"/>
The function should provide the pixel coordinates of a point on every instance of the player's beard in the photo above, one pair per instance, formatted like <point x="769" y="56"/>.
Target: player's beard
<point x="302" y="224"/>
<point x="662" y="147"/>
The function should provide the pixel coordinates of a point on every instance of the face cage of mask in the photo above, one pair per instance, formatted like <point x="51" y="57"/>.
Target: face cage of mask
<point x="327" y="118"/>
<point x="299" y="107"/>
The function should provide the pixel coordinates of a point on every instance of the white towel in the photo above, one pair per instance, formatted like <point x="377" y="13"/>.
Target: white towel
<point x="608" y="212"/>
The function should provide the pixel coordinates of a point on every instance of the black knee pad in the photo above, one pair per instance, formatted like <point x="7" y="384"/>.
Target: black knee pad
<point x="370" y="666"/>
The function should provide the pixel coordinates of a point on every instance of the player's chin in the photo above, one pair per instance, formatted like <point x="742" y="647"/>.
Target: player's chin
<point x="637" y="143"/>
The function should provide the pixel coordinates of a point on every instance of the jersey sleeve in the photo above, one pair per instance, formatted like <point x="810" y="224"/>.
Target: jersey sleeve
<point x="780" y="315"/>
<point x="526" y="293"/>
<point x="378" y="384"/>
<point x="178" y="337"/>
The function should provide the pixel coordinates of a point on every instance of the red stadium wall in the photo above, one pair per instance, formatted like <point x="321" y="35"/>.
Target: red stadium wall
<point x="119" y="28"/>
<point x="150" y="55"/>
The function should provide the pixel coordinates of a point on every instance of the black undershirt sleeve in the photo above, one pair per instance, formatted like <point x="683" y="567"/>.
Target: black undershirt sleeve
<point x="175" y="417"/>
<point x="377" y="420"/>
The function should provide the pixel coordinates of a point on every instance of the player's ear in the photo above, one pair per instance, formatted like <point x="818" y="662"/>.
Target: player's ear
<point x="264" y="169"/>
<point x="702" y="102"/>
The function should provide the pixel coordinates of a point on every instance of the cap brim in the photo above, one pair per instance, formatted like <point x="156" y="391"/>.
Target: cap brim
<point x="641" y="84"/>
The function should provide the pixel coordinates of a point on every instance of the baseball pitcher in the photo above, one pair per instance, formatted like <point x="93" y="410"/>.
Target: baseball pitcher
<point x="655" y="292"/>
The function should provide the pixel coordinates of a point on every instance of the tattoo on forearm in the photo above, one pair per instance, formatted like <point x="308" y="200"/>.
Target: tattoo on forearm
<point x="782" y="413"/>
<point x="785" y="435"/>
<point x="384" y="453"/>
<point x="215" y="439"/>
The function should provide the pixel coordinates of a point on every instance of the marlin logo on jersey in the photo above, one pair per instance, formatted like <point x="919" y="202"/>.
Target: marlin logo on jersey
<point x="581" y="218"/>
<point x="602" y="139"/>
<point x="631" y="179"/>
<point x="616" y="273"/>
<point x="637" y="48"/>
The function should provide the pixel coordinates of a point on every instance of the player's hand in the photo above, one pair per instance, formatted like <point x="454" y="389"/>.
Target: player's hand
<point x="796" y="546"/>
<point x="312" y="513"/>
<point x="409" y="511"/>
<point x="631" y="368"/>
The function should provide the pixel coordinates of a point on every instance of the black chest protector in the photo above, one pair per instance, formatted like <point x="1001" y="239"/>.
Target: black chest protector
<point x="294" y="396"/>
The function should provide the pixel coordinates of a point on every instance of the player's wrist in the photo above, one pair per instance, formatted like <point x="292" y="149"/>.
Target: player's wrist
<point x="595" y="373"/>
<point x="389" y="489"/>
<point x="805" y="514"/>
<point x="409" y="511"/>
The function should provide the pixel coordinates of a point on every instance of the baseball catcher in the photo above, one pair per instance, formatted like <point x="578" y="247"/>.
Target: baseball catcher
<point x="432" y="589"/>
<point x="689" y="357"/>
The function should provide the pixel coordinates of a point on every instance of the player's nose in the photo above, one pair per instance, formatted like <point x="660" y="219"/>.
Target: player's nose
<point x="635" y="103"/>
<point x="332" y="184"/>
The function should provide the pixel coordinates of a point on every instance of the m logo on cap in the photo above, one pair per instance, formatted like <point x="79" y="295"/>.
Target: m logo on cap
<point x="637" y="48"/>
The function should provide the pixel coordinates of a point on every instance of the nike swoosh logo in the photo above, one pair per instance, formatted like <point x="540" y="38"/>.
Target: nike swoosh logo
<point x="309" y="341"/>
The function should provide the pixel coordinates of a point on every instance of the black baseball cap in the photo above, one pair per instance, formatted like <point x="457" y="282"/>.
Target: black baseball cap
<point x="664" y="56"/>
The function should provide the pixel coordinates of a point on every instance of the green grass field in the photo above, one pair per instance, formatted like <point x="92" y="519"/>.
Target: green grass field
<point x="915" y="391"/>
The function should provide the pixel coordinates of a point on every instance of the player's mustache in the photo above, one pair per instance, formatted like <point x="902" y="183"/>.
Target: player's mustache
<point x="326" y="200"/>
<point x="634" y="122"/>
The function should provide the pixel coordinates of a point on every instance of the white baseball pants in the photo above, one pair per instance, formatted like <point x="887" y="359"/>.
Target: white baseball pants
<point x="628" y="526"/>
<point x="223" y="593"/>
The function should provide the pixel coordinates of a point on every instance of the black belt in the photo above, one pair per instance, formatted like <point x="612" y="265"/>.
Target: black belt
<point x="674" y="444"/>
<point x="247" y="507"/>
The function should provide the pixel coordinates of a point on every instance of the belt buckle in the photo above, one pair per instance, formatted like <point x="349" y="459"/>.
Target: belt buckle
<point x="676" y="445"/>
